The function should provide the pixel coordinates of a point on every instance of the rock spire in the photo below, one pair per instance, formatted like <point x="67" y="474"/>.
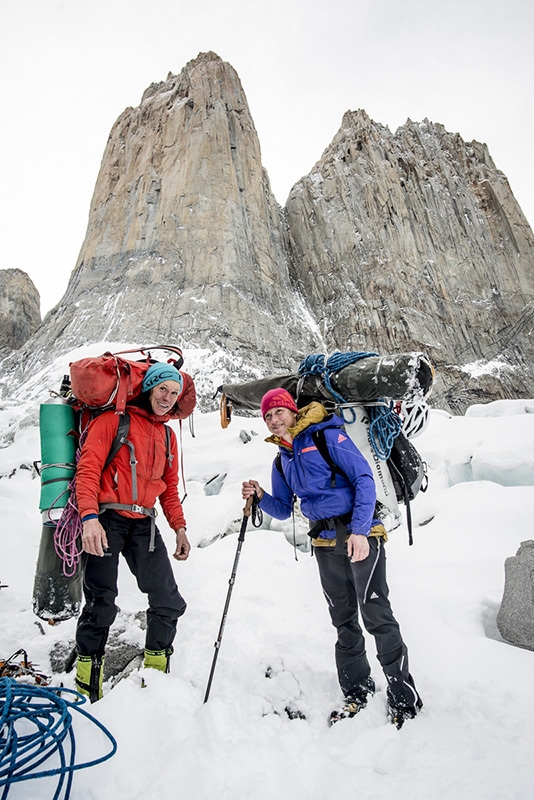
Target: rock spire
<point x="185" y="241"/>
<point x="398" y="241"/>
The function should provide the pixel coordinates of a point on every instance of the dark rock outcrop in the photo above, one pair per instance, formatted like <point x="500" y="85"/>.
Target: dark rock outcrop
<point x="20" y="314"/>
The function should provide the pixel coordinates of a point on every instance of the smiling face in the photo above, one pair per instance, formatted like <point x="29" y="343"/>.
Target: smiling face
<point x="278" y="420"/>
<point x="163" y="397"/>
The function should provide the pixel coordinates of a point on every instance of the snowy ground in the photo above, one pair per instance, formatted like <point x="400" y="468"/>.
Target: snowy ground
<point x="474" y="739"/>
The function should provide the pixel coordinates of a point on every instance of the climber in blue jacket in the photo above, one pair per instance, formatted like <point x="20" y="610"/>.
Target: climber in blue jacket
<point x="321" y="465"/>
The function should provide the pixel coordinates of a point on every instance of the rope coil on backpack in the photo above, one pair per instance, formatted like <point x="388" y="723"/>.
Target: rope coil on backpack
<point x="36" y="725"/>
<point x="315" y="365"/>
<point x="384" y="428"/>
<point x="385" y="423"/>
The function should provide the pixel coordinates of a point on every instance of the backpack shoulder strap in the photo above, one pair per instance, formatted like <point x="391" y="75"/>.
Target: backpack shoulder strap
<point x="278" y="464"/>
<point x="319" y="438"/>
<point x="120" y="438"/>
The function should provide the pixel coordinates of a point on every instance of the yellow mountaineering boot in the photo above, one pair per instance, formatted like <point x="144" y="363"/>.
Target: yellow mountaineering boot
<point x="158" y="659"/>
<point x="89" y="676"/>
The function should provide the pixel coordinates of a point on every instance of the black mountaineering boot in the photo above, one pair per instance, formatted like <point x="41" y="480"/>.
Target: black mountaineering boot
<point x="397" y="715"/>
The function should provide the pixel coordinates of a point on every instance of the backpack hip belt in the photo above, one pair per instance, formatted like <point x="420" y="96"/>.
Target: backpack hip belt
<point x="339" y="524"/>
<point x="146" y="512"/>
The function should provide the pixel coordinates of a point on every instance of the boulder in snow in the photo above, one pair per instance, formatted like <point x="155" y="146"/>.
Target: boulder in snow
<point x="515" y="619"/>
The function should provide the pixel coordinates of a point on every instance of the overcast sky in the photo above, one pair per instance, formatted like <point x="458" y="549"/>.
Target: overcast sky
<point x="70" y="67"/>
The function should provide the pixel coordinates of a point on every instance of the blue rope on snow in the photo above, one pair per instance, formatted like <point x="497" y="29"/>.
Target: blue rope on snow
<point x="35" y="724"/>
<point x="385" y="423"/>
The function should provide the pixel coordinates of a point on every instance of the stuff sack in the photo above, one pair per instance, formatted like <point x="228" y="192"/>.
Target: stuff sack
<point x="109" y="381"/>
<point x="365" y="380"/>
<point x="57" y="434"/>
<point x="188" y="399"/>
<point x="56" y="596"/>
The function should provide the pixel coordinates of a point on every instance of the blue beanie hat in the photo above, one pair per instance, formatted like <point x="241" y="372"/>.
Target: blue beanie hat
<point x="158" y="373"/>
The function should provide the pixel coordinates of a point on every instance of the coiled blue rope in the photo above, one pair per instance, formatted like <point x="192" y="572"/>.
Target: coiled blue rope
<point x="315" y="365"/>
<point x="36" y="724"/>
<point x="384" y="428"/>
<point x="385" y="423"/>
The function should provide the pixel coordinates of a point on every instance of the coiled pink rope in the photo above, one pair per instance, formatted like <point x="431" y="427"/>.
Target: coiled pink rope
<point x="68" y="530"/>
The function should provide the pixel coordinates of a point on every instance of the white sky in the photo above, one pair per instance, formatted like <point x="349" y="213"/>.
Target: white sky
<point x="70" y="67"/>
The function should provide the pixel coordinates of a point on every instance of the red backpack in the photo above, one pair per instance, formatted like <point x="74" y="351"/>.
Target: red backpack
<point x="109" y="381"/>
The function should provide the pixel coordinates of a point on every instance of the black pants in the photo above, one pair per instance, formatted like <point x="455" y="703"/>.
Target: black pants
<point x="154" y="576"/>
<point x="362" y="585"/>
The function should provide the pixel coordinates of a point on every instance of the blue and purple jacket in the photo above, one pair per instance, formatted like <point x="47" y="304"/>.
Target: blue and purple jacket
<point x="308" y="475"/>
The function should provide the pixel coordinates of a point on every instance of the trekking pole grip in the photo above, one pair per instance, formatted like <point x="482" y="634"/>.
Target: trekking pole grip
<point x="247" y="511"/>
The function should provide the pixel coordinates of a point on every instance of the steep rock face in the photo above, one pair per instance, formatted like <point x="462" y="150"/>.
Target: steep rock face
<point x="20" y="314"/>
<point x="185" y="240"/>
<point x="415" y="241"/>
<point x="393" y="242"/>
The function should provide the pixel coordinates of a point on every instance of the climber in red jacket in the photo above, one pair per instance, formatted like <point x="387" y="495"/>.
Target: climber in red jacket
<point x="116" y="505"/>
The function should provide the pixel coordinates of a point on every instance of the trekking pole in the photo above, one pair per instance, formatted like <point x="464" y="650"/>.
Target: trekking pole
<point x="241" y="538"/>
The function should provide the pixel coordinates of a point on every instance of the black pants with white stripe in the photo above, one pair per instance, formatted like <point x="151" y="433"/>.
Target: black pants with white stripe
<point x="358" y="588"/>
<point x="154" y="576"/>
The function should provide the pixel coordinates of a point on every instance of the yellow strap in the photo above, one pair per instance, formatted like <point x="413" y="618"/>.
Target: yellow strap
<point x="377" y="531"/>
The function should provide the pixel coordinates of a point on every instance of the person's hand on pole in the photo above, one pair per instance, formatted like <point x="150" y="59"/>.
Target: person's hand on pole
<point x="251" y="487"/>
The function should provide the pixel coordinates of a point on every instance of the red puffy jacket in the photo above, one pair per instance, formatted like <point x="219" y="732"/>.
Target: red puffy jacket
<point x="155" y="476"/>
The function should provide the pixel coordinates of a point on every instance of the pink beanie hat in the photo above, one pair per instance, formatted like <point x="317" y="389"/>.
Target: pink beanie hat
<point x="277" y="398"/>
